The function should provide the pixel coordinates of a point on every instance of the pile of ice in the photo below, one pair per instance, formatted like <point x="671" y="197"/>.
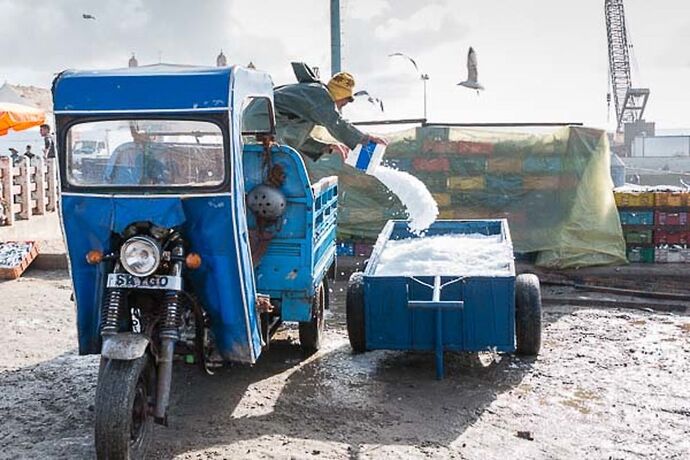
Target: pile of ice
<point x="12" y="253"/>
<point x="421" y="207"/>
<point x="452" y="255"/>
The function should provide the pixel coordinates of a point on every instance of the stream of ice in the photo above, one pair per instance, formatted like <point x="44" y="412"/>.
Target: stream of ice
<point x="452" y="255"/>
<point x="421" y="207"/>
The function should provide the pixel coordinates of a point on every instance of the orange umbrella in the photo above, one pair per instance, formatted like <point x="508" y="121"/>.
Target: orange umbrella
<point x="19" y="117"/>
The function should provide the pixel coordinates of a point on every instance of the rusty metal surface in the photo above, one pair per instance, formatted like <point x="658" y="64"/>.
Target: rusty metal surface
<point x="125" y="346"/>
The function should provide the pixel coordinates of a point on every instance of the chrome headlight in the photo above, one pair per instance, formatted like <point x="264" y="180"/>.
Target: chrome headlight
<point x="140" y="255"/>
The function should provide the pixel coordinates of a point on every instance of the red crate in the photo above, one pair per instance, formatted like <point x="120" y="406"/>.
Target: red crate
<point x="474" y="148"/>
<point x="16" y="271"/>
<point x="428" y="145"/>
<point x="670" y="218"/>
<point x="662" y="236"/>
<point x="443" y="147"/>
<point x="435" y="146"/>
<point x="431" y="164"/>
<point x="363" y="249"/>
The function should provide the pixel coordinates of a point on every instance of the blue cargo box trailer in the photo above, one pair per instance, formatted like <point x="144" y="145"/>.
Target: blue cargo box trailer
<point x="444" y="311"/>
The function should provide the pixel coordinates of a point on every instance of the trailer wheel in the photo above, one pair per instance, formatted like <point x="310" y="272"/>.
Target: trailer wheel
<point x="355" y="313"/>
<point x="310" y="332"/>
<point x="528" y="314"/>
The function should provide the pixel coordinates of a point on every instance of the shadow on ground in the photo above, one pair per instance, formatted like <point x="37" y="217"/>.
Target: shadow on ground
<point x="374" y="398"/>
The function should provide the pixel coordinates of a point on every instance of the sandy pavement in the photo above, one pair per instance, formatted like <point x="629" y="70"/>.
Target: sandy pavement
<point x="608" y="384"/>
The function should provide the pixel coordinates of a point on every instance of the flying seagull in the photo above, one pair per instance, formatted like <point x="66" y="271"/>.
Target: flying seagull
<point x="88" y="16"/>
<point x="370" y="98"/>
<point x="406" y="57"/>
<point x="472" y="74"/>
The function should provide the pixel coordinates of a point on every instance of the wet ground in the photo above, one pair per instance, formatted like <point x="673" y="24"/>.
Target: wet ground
<point x="608" y="384"/>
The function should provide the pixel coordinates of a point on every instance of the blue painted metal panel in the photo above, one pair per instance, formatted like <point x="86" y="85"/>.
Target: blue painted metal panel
<point x="487" y="319"/>
<point x="295" y="308"/>
<point x="303" y="247"/>
<point x="206" y="221"/>
<point x="154" y="88"/>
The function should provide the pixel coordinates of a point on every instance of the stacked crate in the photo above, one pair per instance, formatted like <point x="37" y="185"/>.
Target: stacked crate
<point x="358" y="248"/>
<point x="655" y="224"/>
<point x="533" y="186"/>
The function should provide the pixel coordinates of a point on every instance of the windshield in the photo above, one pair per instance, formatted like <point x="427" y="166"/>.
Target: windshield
<point x="86" y="146"/>
<point x="149" y="153"/>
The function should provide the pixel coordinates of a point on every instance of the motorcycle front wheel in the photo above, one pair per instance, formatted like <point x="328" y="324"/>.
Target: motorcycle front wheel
<point x="123" y="419"/>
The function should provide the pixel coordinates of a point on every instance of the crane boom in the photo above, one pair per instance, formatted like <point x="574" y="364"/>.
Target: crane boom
<point x="629" y="102"/>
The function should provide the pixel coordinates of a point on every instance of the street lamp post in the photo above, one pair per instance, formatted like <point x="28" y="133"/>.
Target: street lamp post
<point x="425" y="78"/>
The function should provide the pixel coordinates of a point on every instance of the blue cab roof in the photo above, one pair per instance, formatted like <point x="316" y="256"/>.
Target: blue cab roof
<point x="155" y="88"/>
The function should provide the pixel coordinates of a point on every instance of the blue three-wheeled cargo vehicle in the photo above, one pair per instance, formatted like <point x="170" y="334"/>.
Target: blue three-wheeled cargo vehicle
<point x="190" y="235"/>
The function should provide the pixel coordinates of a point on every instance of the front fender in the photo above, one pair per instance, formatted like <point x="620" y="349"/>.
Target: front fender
<point x="125" y="346"/>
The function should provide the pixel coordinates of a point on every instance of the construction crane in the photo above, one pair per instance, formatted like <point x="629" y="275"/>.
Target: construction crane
<point x="629" y="102"/>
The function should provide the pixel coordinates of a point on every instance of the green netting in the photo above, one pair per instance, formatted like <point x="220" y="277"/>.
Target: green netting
<point x="555" y="189"/>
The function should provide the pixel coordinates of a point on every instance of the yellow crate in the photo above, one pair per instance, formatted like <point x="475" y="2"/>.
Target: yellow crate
<point x="442" y="199"/>
<point x="505" y="165"/>
<point x="541" y="182"/>
<point x="467" y="183"/>
<point x="634" y="199"/>
<point x="365" y="215"/>
<point x="670" y="199"/>
<point x="466" y="213"/>
<point x="446" y="214"/>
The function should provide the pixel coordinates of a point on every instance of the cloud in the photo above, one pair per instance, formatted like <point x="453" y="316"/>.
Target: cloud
<point x="428" y="18"/>
<point x="365" y="9"/>
<point x="540" y="60"/>
<point x="46" y="37"/>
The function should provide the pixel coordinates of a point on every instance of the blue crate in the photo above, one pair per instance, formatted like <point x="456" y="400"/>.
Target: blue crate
<point x="506" y="182"/>
<point x="542" y="164"/>
<point x="346" y="249"/>
<point x="637" y="218"/>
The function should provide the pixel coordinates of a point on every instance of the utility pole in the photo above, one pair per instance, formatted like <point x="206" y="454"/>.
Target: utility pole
<point x="335" y="36"/>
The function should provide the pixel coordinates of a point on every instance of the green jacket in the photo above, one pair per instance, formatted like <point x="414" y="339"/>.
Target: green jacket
<point x="301" y="106"/>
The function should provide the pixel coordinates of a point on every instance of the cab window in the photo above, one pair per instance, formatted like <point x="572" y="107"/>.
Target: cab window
<point x="126" y="153"/>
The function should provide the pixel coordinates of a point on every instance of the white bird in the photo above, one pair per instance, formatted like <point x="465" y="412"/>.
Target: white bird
<point x="88" y="16"/>
<point x="374" y="100"/>
<point x="406" y="57"/>
<point x="472" y="74"/>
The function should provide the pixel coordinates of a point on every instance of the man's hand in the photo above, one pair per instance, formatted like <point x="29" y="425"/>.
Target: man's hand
<point x="340" y="149"/>
<point x="378" y="140"/>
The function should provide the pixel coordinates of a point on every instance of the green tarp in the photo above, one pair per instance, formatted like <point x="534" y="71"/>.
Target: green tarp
<point x="554" y="188"/>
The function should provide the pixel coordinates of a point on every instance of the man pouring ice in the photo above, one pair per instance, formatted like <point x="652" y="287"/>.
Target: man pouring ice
<point x="303" y="105"/>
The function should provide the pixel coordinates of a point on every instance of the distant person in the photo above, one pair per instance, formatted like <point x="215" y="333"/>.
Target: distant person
<point x="48" y="142"/>
<point x="301" y="106"/>
<point x="14" y="154"/>
<point x="28" y="153"/>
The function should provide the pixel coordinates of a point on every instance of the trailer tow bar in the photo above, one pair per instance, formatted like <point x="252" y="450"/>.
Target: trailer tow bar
<point x="438" y="306"/>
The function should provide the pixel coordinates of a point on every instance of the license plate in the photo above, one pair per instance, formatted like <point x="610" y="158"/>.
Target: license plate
<point x="124" y="280"/>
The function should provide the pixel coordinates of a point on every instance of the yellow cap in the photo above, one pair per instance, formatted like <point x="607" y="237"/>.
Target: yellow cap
<point x="341" y="85"/>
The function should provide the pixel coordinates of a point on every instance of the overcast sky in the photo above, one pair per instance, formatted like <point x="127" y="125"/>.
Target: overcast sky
<point x="540" y="60"/>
